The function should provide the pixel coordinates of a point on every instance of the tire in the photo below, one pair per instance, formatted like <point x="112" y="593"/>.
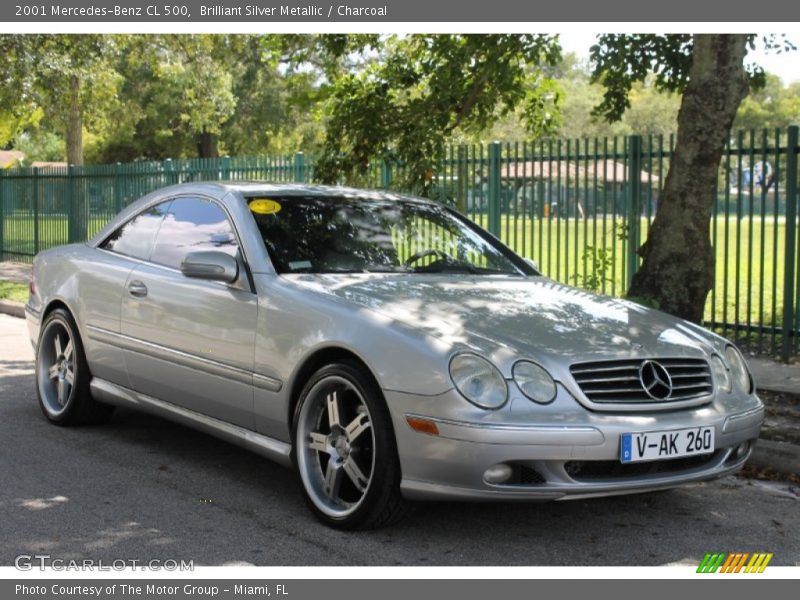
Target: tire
<point x="62" y="374"/>
<point x="345" y="451"/>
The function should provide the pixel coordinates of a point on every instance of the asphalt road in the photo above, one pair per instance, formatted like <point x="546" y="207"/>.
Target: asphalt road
<point x="142" y="488"/>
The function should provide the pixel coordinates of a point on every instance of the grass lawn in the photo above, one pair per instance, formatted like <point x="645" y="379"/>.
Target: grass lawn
<point x="16" y="292"/>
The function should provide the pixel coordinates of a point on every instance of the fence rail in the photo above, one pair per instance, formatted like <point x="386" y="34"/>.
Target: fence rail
<point x="580" y="208"/>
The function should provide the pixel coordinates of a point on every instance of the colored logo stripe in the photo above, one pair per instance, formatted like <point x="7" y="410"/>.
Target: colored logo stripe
<point x="734" y="562"/>
<point x="711" y="562"/>
<point x="758" y="563"/>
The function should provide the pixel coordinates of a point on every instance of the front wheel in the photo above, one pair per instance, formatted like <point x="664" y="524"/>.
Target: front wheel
<point x="345" y="450"/>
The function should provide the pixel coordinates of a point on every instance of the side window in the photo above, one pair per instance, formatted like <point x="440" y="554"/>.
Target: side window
<point x="192" y="225"/>
<point x="135" y="238"/>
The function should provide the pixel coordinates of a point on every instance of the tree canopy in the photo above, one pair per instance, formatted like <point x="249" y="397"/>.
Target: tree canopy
<point x="425" y="88"/>
<point x="351" y="99"/>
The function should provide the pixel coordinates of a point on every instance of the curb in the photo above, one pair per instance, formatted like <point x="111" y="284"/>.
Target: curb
<point x="780" y="457"/>
<point x="14" y="309"/>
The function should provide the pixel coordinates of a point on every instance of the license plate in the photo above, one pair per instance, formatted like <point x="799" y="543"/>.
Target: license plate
<point x="660" y="445"/>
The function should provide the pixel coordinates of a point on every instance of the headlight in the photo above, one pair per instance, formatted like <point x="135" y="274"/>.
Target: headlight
<point x="739" y="372"/>
<point x="534" y="382"/>
<point x="720" y="373"/>
<point x="478" y="381"/>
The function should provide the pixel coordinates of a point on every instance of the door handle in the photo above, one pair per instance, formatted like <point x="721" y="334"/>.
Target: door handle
<point x="137" y="289"/>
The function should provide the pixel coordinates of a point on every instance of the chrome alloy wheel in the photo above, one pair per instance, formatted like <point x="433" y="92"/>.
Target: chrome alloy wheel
<point x="335" y="446"/>
<point x="56" y="374"/>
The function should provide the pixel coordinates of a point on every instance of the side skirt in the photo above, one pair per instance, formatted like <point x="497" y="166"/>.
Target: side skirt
<point x="110" y="393"/>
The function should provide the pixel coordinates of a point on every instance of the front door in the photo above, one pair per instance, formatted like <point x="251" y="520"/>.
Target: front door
<point x="191" y="342"/>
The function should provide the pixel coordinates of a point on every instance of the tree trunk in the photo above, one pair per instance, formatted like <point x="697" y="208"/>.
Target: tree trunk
<point x="207" y="145"/>
<point x="677" y="271"/>
<point x="74" y="122"/>
<point x="79" y="211"/>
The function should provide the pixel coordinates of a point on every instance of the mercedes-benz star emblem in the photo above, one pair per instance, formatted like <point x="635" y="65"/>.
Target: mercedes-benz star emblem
<point x="655" y="380"/>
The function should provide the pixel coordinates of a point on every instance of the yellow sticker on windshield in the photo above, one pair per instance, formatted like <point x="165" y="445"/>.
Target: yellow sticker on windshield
<point x="265" y="207"/>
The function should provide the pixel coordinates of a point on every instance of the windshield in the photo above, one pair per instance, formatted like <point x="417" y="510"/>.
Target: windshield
<point x="358" y="235"/>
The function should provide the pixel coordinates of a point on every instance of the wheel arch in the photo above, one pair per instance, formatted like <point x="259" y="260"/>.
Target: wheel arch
<point x="56" y="303"/>
<point x="53" y="305"/>
<point x="314" y="362"/>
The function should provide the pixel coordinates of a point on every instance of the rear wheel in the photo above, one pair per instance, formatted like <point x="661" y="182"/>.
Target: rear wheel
<point x="62" y="374"/>
<point x="345" y="450"/>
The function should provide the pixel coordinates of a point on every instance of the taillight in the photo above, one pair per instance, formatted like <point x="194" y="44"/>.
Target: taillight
<point x="32" y="283"/>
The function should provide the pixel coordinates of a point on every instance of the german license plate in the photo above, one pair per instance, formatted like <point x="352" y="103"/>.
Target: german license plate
<point x="660" y="445"/>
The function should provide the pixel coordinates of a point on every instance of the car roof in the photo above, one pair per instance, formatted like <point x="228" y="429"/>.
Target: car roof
<point x="248" y="189"/>
<point x="254" y="189"/>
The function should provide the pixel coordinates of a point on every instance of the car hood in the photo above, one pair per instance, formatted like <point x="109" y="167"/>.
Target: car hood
<point x="516" y="317"/>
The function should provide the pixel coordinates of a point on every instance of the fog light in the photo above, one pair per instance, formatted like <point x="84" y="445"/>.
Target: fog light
<point x="742" y="449"/>
<point x="497" y="474"/>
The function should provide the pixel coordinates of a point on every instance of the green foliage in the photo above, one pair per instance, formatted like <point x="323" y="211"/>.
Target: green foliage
<point x="775" y="105"/>
<point x="600" y="263"/>
<point x="177" y="88"/>
<point x="651" y="111"/>
<point x="11" y="125"/>
<point x="621" y="60"/>
<point x="40" y="144"/>
<point x="205" y="95"/>
<point x="355" y="99"/>
<point x="54" y="74"/>
<point x="425" y="88"/>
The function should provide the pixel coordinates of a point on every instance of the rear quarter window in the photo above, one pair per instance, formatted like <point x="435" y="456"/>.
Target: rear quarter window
<point x="136" y="237"/>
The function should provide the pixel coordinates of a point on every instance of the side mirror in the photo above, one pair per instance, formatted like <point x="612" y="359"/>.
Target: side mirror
<point x="532" y="263"/>
<point x="211" y="265"/>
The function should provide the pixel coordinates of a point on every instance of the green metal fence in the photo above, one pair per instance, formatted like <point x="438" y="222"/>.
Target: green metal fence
<point x="580" y="208"/>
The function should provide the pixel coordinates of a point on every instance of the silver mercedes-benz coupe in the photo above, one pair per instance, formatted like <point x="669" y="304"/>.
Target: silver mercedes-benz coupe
<point x="384" y="346"/>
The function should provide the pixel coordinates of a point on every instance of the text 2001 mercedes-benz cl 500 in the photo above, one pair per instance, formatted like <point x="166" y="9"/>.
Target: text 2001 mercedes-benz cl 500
<point x="385" y="346"/>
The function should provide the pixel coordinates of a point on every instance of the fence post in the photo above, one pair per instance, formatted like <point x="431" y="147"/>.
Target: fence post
<point x="634" y="206"/>
<point x="495" y="149"/>
<point x="35" y="211"/>
<point x="78" y="205"/>
<point x="790" y="251"/>
<point x="461" y="179"/>
<point x="225" y="171"/>
<point x="299" y="167"/>
<point x="386" y="175"/>
<point x="117" y="192"/>
<point x="169" y="171"/>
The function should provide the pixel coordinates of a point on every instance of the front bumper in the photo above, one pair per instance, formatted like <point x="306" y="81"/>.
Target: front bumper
<point x="556" y="452"/>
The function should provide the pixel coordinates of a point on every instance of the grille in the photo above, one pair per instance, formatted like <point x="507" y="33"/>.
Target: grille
<point x="523" y="474"/>
<point x="619" y="381"/>
<point x="529" y="476"/>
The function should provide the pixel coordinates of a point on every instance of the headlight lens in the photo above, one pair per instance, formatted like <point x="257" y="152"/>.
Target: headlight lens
<point x="720" y="373"/>
<point x="534" y="381"/>
<point x="478" y="381"/>
<point x="739" y="372"/>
